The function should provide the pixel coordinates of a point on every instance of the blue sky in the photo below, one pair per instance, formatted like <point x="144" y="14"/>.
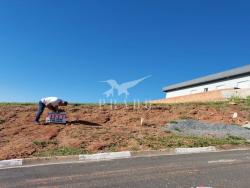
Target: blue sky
<point x="64" y="48"/>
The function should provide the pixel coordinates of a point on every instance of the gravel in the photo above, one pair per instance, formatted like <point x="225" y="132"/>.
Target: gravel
<point x="197" y="128"/>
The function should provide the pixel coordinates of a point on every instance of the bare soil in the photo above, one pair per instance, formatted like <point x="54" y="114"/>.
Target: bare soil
<point x="92" y="129"/>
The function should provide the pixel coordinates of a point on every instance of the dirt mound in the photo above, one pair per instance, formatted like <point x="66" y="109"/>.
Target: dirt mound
<point x="97" y="129"/>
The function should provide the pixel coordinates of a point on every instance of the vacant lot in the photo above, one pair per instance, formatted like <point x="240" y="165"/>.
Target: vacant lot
<point x="94" y="129"/>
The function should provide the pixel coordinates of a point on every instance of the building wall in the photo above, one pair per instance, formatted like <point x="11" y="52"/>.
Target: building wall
<point x="210" y="96"/>
<point x="242" y="83"/>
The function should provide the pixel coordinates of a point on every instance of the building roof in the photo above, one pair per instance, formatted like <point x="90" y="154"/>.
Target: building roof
<point x="210" y="78"/>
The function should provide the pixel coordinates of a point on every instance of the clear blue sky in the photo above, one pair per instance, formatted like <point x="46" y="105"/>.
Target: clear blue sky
<point x="64" y="48"/>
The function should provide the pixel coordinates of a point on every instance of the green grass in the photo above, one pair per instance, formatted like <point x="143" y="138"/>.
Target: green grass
<point x="217" y="105"/>
<point x="220" y="105"/>
<point x="151" y="142"/>
<point x="45" y="143"/>
<point x="177" y="129"/>
<point x="62" y="151"/>
<point x="16" y="104"/>
<point x="247" y="101"/>
<point x="173" y="141"/>
<point x="173" y="122"/>
<point x="236" y="99"/>
<point x="244" y="103"/>
<point x="30" y="103"/>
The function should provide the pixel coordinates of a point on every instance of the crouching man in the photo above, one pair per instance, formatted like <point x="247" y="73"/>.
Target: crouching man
<point x="52" y="103"/>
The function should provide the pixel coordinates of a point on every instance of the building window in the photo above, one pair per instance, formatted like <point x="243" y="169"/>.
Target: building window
<point x="205" y="89"/>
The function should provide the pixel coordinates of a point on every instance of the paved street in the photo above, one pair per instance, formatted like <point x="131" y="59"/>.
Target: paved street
<point x="223" y="169"/>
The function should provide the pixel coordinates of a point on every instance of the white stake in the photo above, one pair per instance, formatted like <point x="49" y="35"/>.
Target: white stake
<point x="235" y="115"/>
<point x="142" y="120"/>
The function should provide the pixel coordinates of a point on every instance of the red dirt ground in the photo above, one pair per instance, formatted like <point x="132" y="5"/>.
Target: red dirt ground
<point x="97" y="129"/>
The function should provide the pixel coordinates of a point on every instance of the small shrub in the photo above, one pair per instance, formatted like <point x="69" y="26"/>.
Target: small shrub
<point x="44" y="143"/>
<point x="40" y="143"/>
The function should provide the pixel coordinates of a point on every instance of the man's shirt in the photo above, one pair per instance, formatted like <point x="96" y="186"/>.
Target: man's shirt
<point x="54" y="101"/>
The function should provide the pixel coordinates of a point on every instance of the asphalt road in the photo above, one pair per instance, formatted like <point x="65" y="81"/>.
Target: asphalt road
<point x="223" y="169"/>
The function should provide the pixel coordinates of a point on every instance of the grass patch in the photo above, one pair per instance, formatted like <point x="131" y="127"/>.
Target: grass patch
<point x="62" y="151"/>
<point x="231" y="137"/>
<point x="173" y="141"/>
<point x="217" y="105"/>
<point x="111" y="148"/>
<point x="40" y="143"/>
<point x="247" y="101"/>
<point x="173" y="122"/>
<point x="244" y="103"/>
<point x="45" y="143"/>
<point x="236" y="99"/>
<point x="150" y="142"/>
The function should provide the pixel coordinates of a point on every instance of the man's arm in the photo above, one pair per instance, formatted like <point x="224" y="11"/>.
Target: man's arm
<point x="53" y="108"/>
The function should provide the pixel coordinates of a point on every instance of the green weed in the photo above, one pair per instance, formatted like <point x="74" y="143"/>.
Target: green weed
<point x="62" y="151"/>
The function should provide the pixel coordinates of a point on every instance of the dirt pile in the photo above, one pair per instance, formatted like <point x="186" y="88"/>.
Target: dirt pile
<point x="93" y="129"/>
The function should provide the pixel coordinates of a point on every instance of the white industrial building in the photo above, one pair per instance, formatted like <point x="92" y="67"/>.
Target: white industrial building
<point x="238" y="78"/>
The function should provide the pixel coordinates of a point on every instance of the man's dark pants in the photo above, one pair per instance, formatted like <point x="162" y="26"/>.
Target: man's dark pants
<point x="41" y="107"/>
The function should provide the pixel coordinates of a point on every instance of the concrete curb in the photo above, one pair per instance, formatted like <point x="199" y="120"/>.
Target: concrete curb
<point x="110" y="156"/>
<point x="105" y="156"/>
<point x="195" y="150"/>
<point x="11" y="163"/>
<point x="49" y="160"/>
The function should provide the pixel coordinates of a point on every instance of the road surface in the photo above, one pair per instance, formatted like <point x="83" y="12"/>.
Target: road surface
<point x="222" y="169"/>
